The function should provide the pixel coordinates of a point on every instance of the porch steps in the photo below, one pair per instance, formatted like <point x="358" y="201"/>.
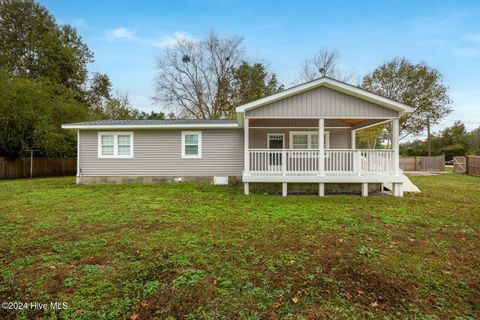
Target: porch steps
<point x="408" y="185"/>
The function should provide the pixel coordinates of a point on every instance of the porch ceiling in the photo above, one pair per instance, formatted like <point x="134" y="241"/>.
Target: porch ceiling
<point x="353" y="123"/>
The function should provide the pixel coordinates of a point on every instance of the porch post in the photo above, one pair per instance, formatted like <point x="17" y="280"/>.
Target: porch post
<point x="321" y="146"/>
<point x="245" y="145"/>
<point x="396" y="146"/>
<point x="246" y="164"/>
<point x="356" y="154"/>
<point x="354" y="143"/>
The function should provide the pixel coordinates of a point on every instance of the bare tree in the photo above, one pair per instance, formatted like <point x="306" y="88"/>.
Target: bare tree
<point x="193" y="77"/>
<point x="323" y="64"/>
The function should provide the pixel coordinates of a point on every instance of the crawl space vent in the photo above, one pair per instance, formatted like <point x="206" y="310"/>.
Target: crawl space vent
<point x="220" y="180"/>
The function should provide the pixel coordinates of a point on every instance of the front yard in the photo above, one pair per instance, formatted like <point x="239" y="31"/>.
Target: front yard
<point x="206" y="252"/>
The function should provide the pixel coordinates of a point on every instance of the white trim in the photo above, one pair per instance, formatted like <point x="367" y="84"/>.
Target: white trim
<point x="396" y="146"/>
<point x="328" y="178"/>
<point x="246" y="145"/>
<point x="331" y="84"/>
<point x="78" y="154"/>
<point x="115" y="135"/>
<point x="300" y="127"/>
<point x="309" y="133"/>
<point x="321" y="145"/>
<point x="373" y="124"/>
<point x="316" y="117"/>
<point x="199" y="144"/>
<point x="276" y="134"/>
<point x="150" y="126"/>
<point x="353" y="142"/>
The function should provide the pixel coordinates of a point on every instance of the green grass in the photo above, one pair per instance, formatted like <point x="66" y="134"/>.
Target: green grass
<point x="207" y="252"/>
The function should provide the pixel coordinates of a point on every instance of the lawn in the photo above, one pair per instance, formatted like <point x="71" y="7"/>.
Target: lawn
<point x="207" y="252"/>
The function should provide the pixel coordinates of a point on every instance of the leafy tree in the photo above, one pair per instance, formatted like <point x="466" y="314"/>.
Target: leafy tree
<point x="451" y="141"/>
<point x="33" y="45"/>
<point x="151" y="116"/>
<point x="474" y="141"/>
<point x="120" y="108"/>
<point x="31" y="113"/>
<point x="370" y="138"/>
<point x="250" y="82"/>
<point x="416" y="85"/>
<point x="97" y="95"/>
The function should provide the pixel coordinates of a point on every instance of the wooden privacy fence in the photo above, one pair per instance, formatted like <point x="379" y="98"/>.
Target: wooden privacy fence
<point x="41" y="167"/>
<point x="436" y="163"/>
<point x="473" y="165"/>
<point x="460" y="164"/>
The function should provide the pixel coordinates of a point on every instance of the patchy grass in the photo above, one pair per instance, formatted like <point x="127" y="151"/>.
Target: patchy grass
<point x="206" y="252"/>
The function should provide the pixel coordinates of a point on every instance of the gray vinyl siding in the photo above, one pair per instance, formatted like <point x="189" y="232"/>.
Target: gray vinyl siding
<point x="292" y="123"/>
<point x="158" y="153"/>
<point x="339" y="138"/>
<point x="322" y="102"/>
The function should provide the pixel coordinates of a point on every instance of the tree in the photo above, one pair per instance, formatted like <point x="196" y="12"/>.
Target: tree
<point x="33" y="45"/>
<point x="31" y="112"/>
<point x="119" y="108"/>
<point x="323" y="64"/>
<point x="193" y="77"/>
<point x="451" y="141"/>
<point x="370" y="138"/>
<point x="98" y="95"/>
<point x="416" y="85"/>
<point x="250" y="82"/>
<point x="151" y="116"/>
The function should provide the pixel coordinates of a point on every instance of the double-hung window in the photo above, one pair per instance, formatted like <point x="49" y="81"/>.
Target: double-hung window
<point x="191" y="144"/>
<point x="307" y="140"/>
<point x="115" y="144"/>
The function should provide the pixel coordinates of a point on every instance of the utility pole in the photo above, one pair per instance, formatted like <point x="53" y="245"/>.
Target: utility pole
<point x="428" y="138"/>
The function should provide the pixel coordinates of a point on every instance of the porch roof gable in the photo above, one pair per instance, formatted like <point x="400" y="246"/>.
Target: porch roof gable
<point x="333" y="84"/>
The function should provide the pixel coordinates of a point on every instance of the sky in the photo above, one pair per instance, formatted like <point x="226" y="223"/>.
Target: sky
<point x="128" y="36"/>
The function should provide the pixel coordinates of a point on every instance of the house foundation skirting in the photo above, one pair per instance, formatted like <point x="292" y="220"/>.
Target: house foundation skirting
<point x="232" y="180"/>
<point x="313" y="188"/>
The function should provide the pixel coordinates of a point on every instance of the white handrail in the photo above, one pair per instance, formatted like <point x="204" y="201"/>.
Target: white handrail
<point x="307" y="161"/>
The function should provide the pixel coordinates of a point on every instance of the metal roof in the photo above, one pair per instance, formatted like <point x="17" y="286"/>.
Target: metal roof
<point x="170" y="123"/>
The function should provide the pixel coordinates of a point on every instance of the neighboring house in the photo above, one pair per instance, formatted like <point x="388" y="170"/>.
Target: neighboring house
<point x="305" y="134"/>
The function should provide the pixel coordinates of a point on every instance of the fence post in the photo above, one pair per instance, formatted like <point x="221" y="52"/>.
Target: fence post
<point x="31" y="164"/>
<point x="284" y="162"/>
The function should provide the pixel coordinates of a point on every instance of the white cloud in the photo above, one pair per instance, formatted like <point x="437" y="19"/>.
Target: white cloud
<point x="122" y="33"/>
<point x="170" y="41"/>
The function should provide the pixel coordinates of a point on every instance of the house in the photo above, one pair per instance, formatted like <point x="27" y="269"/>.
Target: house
<point x="302" y="135"/>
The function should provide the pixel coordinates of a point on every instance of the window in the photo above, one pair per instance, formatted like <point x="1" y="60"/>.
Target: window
<point x="115" y="144"/>
<point x="191" y="144"/>
<point x="307" y="140"/>
<point x="275" y="140"/>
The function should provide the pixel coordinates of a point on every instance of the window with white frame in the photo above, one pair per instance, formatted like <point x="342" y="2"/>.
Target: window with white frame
<point x="115" y="144"/>
<point x="191" y="144"/>
<point x="307" y="140"/>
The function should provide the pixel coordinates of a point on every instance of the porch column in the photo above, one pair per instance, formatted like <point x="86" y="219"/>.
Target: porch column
<point x="246" y="161"/>
<point x="321" y="146"/>
<point x="396" y="146"/>
<point x="246" y="154"/>
<point x="356" y="154"/>
<point x="354" y="142"/>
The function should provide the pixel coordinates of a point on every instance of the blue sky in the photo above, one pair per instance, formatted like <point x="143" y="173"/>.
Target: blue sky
<point x="127" y="36"/>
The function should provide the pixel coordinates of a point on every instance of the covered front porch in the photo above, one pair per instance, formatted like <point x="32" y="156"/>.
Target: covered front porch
<point x="319" y="150"/>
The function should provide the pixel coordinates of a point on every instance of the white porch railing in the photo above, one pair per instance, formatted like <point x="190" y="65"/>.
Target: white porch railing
<point x="307" y="161"/>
